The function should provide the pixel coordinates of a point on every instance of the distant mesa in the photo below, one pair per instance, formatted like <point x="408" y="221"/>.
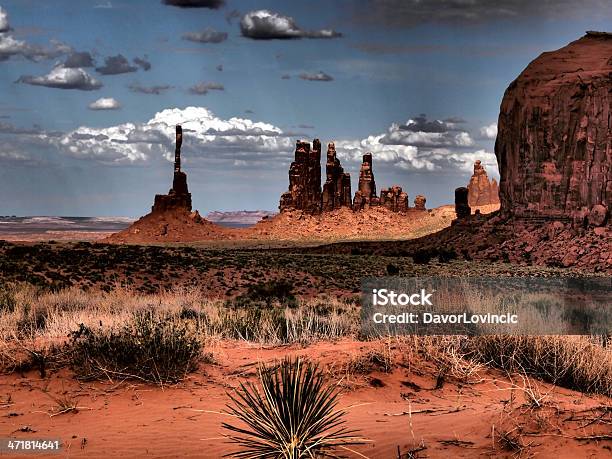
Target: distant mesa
<point x="305" y="193"/>
<point x="481" y="190"/>
<point x="239" y="217"/>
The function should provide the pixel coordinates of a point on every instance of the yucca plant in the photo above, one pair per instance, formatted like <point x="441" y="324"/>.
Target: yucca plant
<point x="293" y="415"/>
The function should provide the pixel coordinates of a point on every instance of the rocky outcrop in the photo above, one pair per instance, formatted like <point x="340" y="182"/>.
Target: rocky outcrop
<point x="462" y="207"/>
<point x="419" y="202"/>
<point x="366" y="193"/>
<point x="304" y="179"/>
<point x="554" y="142"/>
<point x="337" y="186"/>
<point x="394" y="199"/>
<point x="178" y="197"/>
<point x="481" y="190"/>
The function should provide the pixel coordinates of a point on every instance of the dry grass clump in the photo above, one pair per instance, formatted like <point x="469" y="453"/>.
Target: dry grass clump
<point x="278" y="324"/>
<point x="576" y="362"/>
<point x="581" y="363"/>
<point x="156" y="338"/>
<point x="292" y="414"/>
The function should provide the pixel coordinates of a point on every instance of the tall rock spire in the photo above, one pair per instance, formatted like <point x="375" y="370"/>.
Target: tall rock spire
<point x="178" y="197"/>
<point x="177" y="148"/>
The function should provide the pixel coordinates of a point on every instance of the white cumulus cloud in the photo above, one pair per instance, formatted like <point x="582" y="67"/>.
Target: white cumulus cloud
<point x="268" y="25"/>
<point x="465" y="160"/>
<point x="105" y="103"/>
<point x="12" y="47"/>
<point x="4" y="21"/>
<point x="419" y="145"/>
<point x="62" y="77"/>
<point x="408" y="134"/>
<point x="205" y="135"/>
<point x="489" y="132"/>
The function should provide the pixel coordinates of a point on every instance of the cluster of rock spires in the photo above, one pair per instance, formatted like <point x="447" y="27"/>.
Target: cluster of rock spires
<point x="304" y="179"/>
<point x="554" y="151"/>
<point x="337" y="186"/>
<point x="305" y="194"/>
<point x="481" y="190"/>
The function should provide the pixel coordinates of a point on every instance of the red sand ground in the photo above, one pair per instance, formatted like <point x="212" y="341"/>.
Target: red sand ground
<point x="342" y="224"/>
<point x="127" y="419"/>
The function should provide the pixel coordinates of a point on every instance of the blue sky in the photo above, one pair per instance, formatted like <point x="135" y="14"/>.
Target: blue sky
<point x="365" y="86"/>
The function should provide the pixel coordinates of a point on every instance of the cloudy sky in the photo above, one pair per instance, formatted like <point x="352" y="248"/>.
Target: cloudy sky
<point x="90" y="92"/>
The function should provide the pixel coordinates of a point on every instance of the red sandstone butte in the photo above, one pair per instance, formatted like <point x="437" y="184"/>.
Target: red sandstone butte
<point x="481" y="190"/>
<point x="554" y="142"/>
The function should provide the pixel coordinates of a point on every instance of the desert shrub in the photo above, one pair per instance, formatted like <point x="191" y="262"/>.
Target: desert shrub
<point x="305" y="322"/>
<point x="292" y="415"/>
<point x="267" y="292"/>
<point x="372" y="360"/>
<point x="248" y="324"/>
<point x="392" y="270"/>
<point x="422" y="257"/>
<point x="446" y="254"/>
<point x="188" y="313"/>
<point x="152" y="347"/>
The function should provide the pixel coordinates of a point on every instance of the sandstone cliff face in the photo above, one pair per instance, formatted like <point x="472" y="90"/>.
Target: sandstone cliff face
<point x="481" y="190"/>
<point x="554" y="142"/>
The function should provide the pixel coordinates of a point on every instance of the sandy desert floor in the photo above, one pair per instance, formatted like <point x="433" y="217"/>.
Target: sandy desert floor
<point x="395" y="408"/>
<point x="295" y="227"/>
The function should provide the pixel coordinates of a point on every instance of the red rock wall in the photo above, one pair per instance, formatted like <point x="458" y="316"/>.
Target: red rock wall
<point x="554" y="142"/>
